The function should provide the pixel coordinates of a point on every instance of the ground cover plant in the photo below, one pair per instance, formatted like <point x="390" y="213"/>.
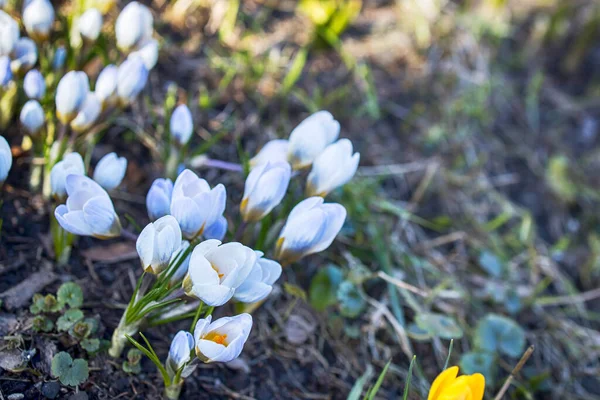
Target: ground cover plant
<point x="299" y="199"/>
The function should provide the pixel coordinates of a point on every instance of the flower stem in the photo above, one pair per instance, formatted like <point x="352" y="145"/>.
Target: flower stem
<point x="173" y="391"/>
<point x="228" y="166"/>
<point x="119" y="340"/>
<point x="197" y="316"/>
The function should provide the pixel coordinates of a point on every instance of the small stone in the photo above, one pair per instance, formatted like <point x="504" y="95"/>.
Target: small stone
<point x="15" y="396"/>
<point x="79" y="396"/>
<point x="50" y="390"/>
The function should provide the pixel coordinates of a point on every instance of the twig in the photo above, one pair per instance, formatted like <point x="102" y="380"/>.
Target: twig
<point x="402" y="284"/>
<point x="514" y="372"/>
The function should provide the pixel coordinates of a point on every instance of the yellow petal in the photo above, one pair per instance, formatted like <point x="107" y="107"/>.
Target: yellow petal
<point x="443" y="379"/>
<point x="458" y="389"/>
<point x="477" y="384"/>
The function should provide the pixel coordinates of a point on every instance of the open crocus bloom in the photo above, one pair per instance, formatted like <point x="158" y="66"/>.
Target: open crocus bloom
<point x="447" y="386"/>
<point x="157" y="244"/>
<point x="222" y="340"/>
<point x="265" y="187"/>
<point x="180" y="351"/>
<point x="216" y="271"/>
<point x="195" y="205"/>
<point x="310" y="228"/>
<point x="89" y="210"/>
<point x="71" y="164"/>
<point x="259" y="282"/>
<point x="311" y="137"/>
<point x="332" y="168"/>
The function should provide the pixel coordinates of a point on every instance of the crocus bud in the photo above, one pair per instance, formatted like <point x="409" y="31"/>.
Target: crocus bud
<point x="448" y="385"/>
<point x="88" y="113"/>
<point x="259" y="282"/>
<point x="71" y="93"/>
<point x="222" y="340"/>
<point x="181" y="125"/>
<point x="158" y="199"/>
<point x="217" y="229"/>
<point x="273" y="151"/>
<point x="9" y="34"/>
<point x="110" y="171"/>
<point x="311" y="137"/>
<point x="133" y="26"/>
<point x="71" y="164"/>
<point x="148" y="52"/>
<point x="157" y="243"/>
<point x="89" y="210"/>
<point x="38" y="17"/>
<point x="106" y="85"/>
<point x="332" y="168"/>
<point x="310" y="228"/>
<point x="60" y="55"/>
<point x="180" y="351"/>
<point x="90" y="25"/>
<point x="195" y="205"/>
<point x="5" y="159"/>
<point x="131" y="79"/>
<point x="25" y="56"/>
<point x="32" y="117"/>
<point x="34" y="84"/>
<point x="265" y="187"/>
<point x="216" y="271"/>
<point x="5" y="71"/>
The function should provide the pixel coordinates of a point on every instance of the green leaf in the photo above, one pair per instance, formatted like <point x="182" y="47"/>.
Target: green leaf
<point x="294" y="290"/>
<point x="439" y="325"/>
<point x="70" y="293"/>
<point x="559" y="179"/>
<point x="351" y="301"/>
<point x="70" y="372"/>
<point x="68" y="319"/>
<point x="360" y="383"/>
<point x="323" y="287"/>
<point x="484" y="363"/>
<point x="42" y="324"/>
<point x="496" y="333"/>
<point x="132" y="368"/>
<point x="491" y="264"/>
<point x="408" y="378"/>
<point x="375" y="388"/>
<point x="80" y="330"/>
<point x="91" y="345"/>
<point x="417" y="333"/>
<point x="61" y="363"/>
<point x="37" y="304"/>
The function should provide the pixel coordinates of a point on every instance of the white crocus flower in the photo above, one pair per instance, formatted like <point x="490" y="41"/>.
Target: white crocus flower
<point x="157" y="244"/>
<point x="89" y="210"/>
<point x="5" y="71"/>
<point x="71" y="164"/>
<point x="222" y="340"/>
<point x="38" y="17"/>
<point x="195" y="205"/>
<point x="148" y="52"/>
<point x="32" y="117"/>
<point x="181" y="125"/>
<point x="34" y="84"/>
<point x="71" y="94"/>
<point x="9" y="33"/>
<point x="273" y="151"/>
<point x="265" y="188"/>
<point x="216" y="271"/>
<point x="110" y="171"/>
<point x="217" y="230"/>
<point x="131" y="79"/>
<point x="332" y="168"/>
<point x="106" y="85"/>
<point x="133" y="26"/>
<point x="310" y="228"/>
<point x="259" y="282"/>
<point x="5" y="159"/>
<point x="25" y="56"/>
<point x="180" y="351"/>
<point x="311" y="137"/>
<point x="88" y="114"/>
<point x="158" y="199"/>
<point x="90" y="25"/>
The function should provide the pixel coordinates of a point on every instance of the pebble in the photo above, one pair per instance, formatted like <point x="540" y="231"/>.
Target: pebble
<point x="50" y="390"/>
<point x="15" y="396"/>
<point x="79" y="396"/>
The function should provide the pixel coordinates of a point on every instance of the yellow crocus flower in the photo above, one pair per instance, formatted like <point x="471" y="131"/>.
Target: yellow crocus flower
<point x="447" y="386"/>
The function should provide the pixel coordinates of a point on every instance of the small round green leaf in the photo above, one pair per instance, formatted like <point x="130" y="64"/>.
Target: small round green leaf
<point x="479" y="362"/>
<point x="439" y="325"/>
<point x="76" y="374"/>
<point x="68" y="319"/>
<point x="351" y="301"/>
<point x="70" y="293"/>
<point x="496" y="333"/>
<point x="323" y="287"/>
<point x="61" y="364"/>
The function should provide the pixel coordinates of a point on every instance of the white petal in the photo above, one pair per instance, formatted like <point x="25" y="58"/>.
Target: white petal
<point x="145" y="245"/>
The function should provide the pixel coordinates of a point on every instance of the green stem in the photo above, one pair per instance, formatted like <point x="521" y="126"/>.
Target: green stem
<point x="209" y="311"/>
<point x="197" y="316"/>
